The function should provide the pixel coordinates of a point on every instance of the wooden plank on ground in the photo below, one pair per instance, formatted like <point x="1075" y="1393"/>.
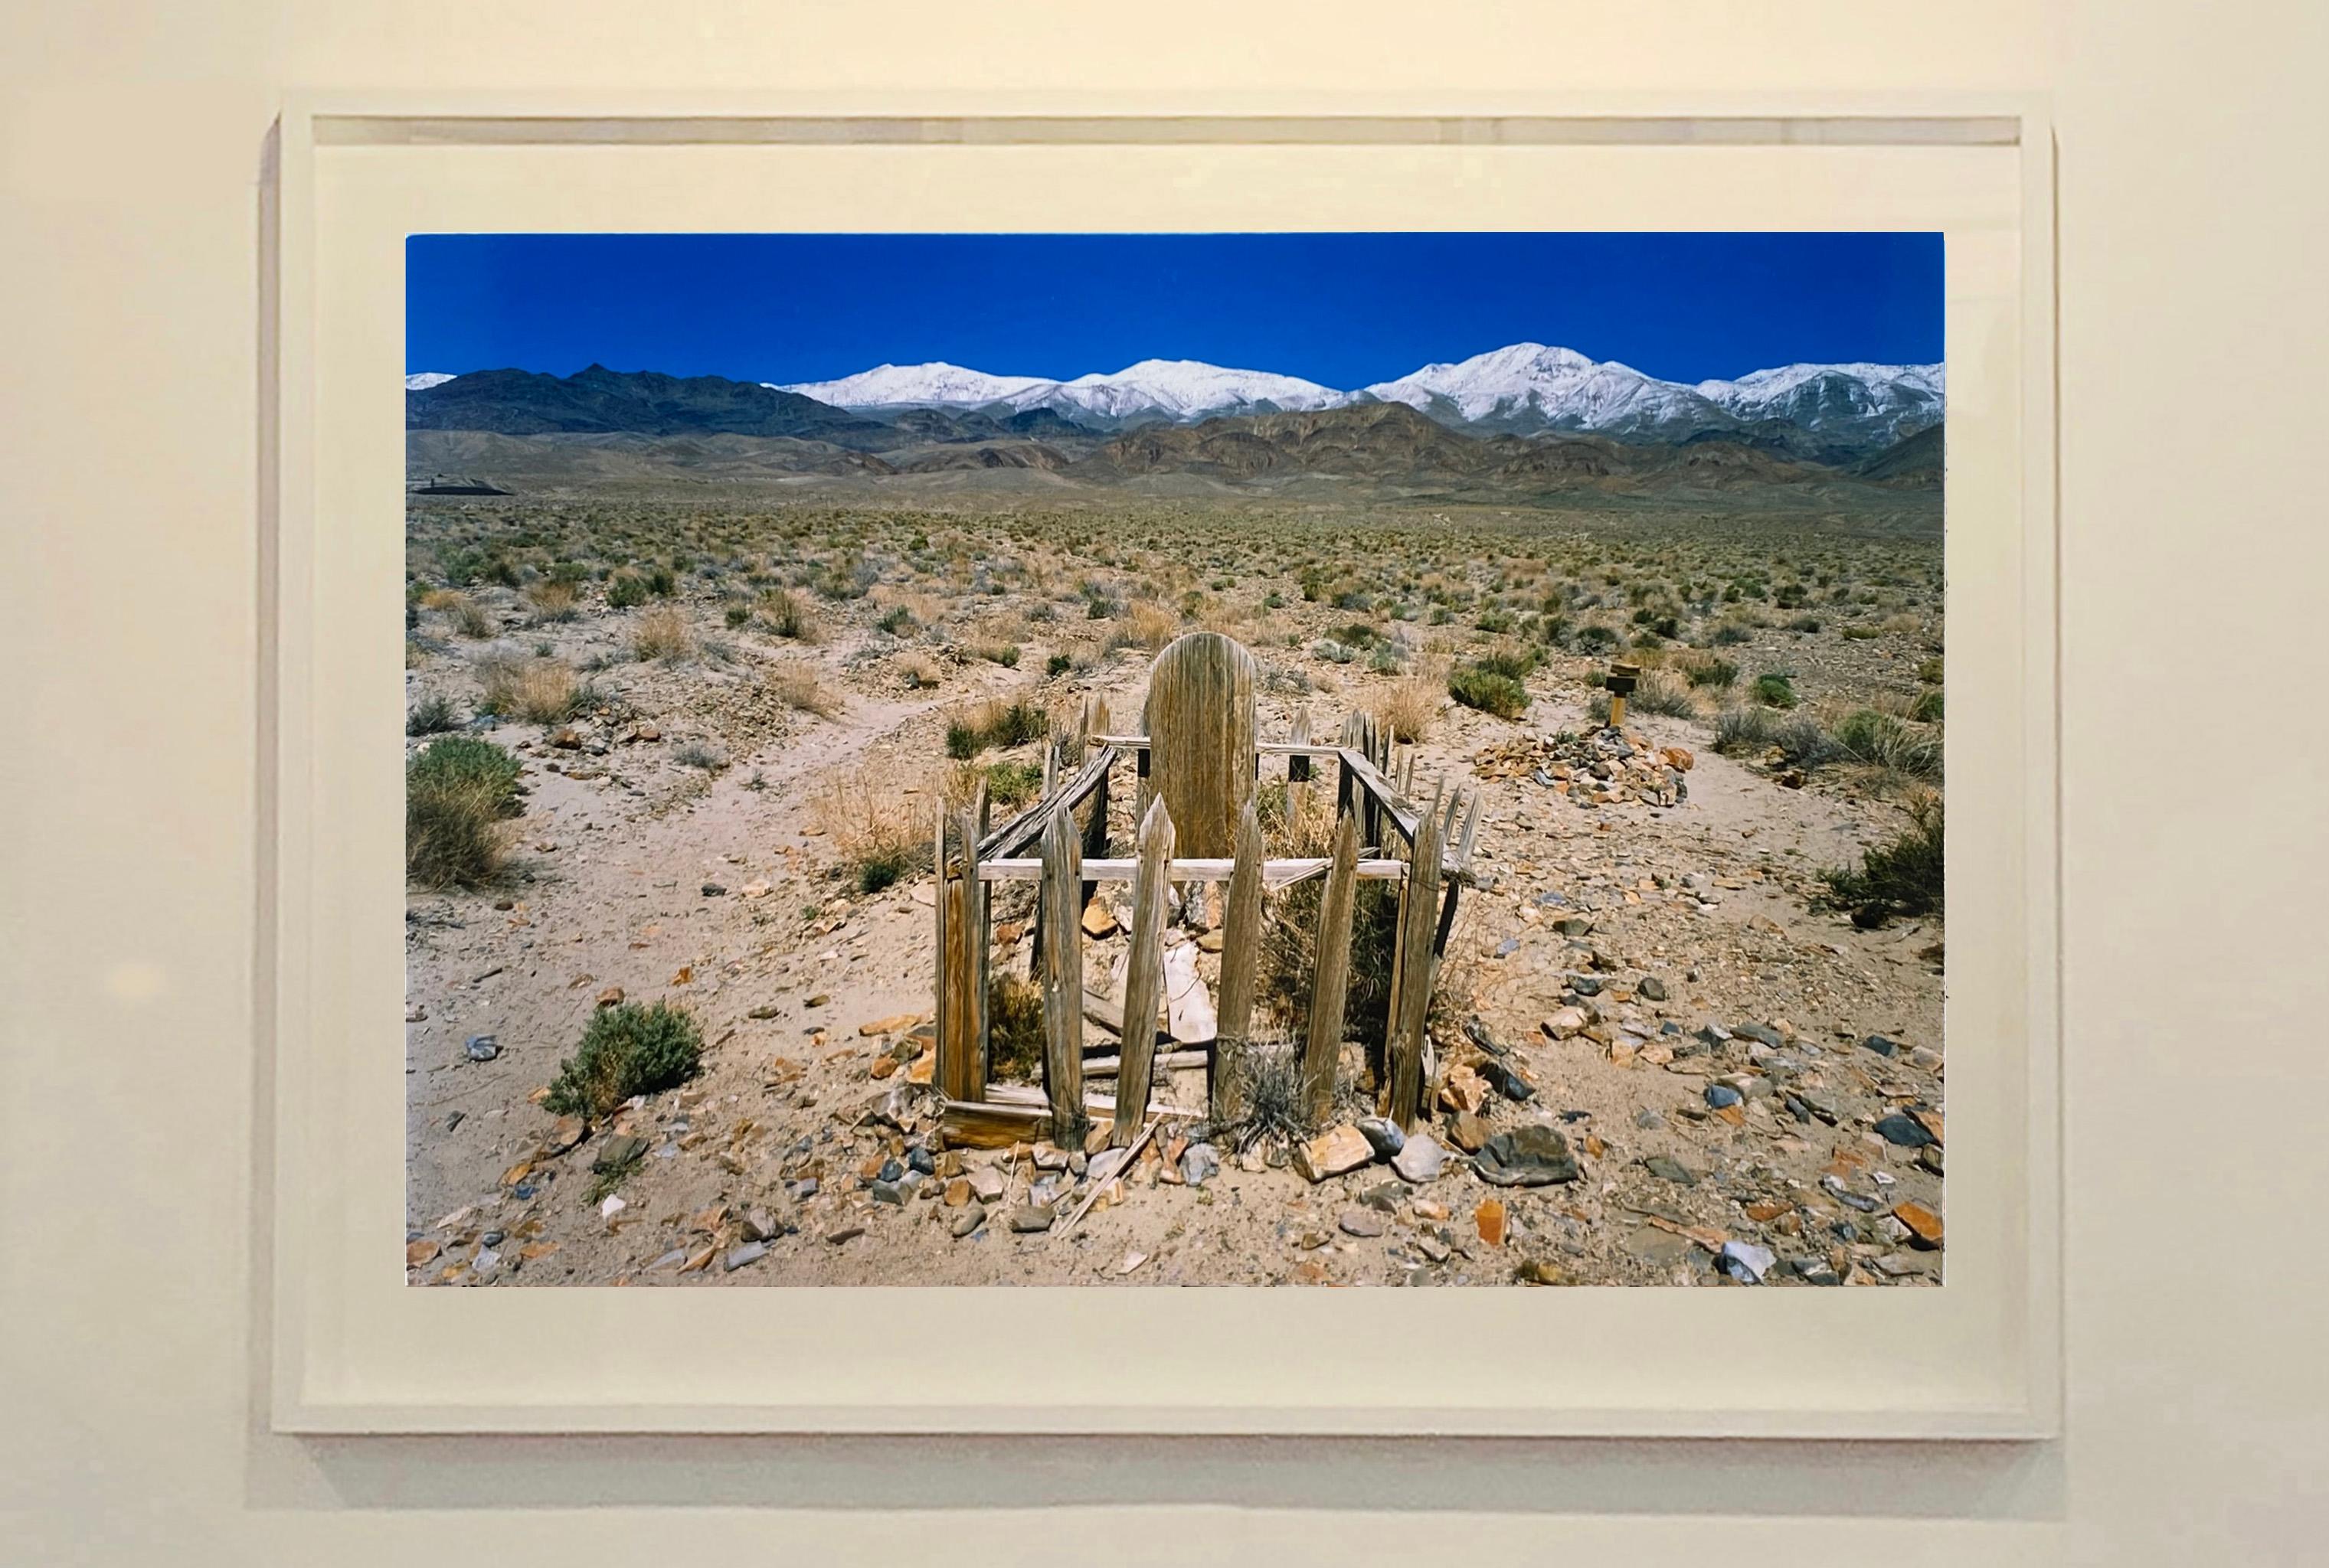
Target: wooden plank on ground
<point x="1144" y="980"/>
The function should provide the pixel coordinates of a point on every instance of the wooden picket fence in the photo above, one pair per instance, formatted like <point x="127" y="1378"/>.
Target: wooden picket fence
<point x="1196" y="767"/>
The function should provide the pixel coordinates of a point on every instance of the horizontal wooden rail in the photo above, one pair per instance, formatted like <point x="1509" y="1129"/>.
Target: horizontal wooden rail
<point x="1274" y="873"/>
<point x="1028" y="826"/>
<point x="1261" y="747"/>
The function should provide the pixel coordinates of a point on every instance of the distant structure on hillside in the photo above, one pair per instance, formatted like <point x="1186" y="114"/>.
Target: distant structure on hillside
<point x="455" y="484"/>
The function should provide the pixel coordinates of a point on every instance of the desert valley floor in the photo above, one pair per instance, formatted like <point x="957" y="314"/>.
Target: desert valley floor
<point x="735" y="719"/>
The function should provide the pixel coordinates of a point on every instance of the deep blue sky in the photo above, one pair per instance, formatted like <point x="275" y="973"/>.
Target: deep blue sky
<point x="1343" y="309"/>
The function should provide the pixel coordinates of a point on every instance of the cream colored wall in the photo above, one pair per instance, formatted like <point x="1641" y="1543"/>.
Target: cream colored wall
<point x="2194" y="336"/>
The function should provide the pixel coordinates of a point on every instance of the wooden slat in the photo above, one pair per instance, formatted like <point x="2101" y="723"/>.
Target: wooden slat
<point x="1163" y="1062"/>
<point x="960" y="1071"/>
<point x="1384" y="798"/>
<point x="1241" y="927"/>
<point x="1060" y="919"/>
<point x="1275" y="874"/>
<point x="1143" y="981"/>
<point x="1025" y="829"/>
<point x="1330" y="986"/>
<point x="1010" y="1115"/>
<point x="1240" y="958"/>
<point x="1415" y="966"/>
<point x="1294" y="746"/>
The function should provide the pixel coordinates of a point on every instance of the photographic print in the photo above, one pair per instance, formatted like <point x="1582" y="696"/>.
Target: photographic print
<point x="1174" y="759"/>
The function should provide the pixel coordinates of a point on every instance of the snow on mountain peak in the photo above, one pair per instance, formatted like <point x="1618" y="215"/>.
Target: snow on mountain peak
<point x="935" y="384"/>
<point x="426" y="379"/>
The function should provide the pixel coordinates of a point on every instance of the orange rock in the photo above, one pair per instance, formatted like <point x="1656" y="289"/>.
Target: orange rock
<point x="883" y="1067"/>
<point x="1490" y="1220"/>
<point x="890" y="1025"/>
<point x="1463" y="1089"/>
<point x="1923" y="1224"/>
<point x="1309" y="1271"/>
<point x="517" y="1173"/>
<point x="417" y="1254"/>
<point x="611" y="996"/>
<point x="535" y="1251"/>
<point x="686" y="975"/>
<point x="1764" y="1210"/>
<point x="1679" y="759"/>
<point x="958" y="1192"/>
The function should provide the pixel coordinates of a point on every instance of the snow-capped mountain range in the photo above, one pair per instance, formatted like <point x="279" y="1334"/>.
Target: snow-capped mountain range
<point x="1523" y="388"/>
<point x="1176" y="390"/>
<point x="426" y="379"/>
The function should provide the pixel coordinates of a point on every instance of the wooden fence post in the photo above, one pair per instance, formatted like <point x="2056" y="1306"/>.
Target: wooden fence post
<point x="1241" y="957"/>
<point x="960" y="1071"/>
<point x="1413" y="969"/>
<point x="1331" y="982"/>
<point x="1059" y="919"/>
<point x="1298" y="780"/>
<point x="1143" y="981"/>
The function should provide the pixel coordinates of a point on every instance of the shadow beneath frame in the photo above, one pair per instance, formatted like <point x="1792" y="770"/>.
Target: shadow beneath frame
<point x="1688" y="1477"/>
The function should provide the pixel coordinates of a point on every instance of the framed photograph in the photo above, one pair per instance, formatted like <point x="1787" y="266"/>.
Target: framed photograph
<point x="1183" y="767"/>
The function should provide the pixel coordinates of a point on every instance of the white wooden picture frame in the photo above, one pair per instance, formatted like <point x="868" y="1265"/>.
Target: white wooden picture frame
<point x="355" y="1351"/>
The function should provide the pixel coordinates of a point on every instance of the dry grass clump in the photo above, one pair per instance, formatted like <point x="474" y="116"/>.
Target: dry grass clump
<point x="1001" y="722"/>
<point x="1151" y="626"/>
<point x="1409" y="708"/>
<point x="1884" y="740"/>
<point x="1014" y="1028"/>
<point x="920" y="671"/>
<point x="467" y="616"/>
<point x="554" y="598"/>
<point x="538" y="690"/>
<point x="662" y="634"/>
<point x="876" y="830"/>
<point x="784" y="613"/>
<point x="794" y="682"/>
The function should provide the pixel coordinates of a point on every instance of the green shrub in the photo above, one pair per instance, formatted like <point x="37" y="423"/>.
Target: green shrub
<point x="432" y="715"/>
<point x="1708" y="670"/>
<point x="1774" y="689"/>
<point x="1903" y="876"/>
<point x="1488" y="690"/>
<point x="1881" y="740"/>
<point x="1058" y="664"/>
<point x="628" y="1049"/>
<point x="1801" y="741"/>
<point x="625" y="591"/>
<point x="1013" y="784"/>
<point x="457" y="793"/>
<point x="1926" y="707"/>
